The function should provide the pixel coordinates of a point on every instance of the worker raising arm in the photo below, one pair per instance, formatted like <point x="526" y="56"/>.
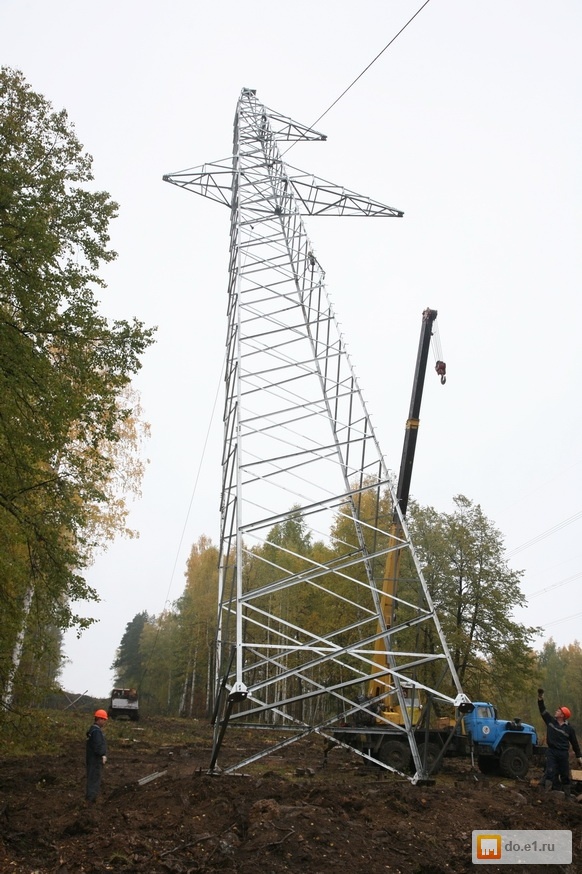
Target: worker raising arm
<point x="560" y="736"/>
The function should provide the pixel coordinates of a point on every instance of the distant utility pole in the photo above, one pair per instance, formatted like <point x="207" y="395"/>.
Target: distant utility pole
<point x="307" y="499"/>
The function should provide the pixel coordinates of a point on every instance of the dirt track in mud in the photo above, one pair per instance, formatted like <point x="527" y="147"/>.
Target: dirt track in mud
<point x="286" y="813"/>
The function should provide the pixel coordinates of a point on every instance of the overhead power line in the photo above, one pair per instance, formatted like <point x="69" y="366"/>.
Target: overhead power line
<point x="545" y="534"/>
<point x="563" y="619"/>
<point x="365" y="70"/>
<point x="557" y="585"/>
<point x="373" y="61"/>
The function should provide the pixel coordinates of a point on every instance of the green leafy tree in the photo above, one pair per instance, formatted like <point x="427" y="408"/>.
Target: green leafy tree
<point x="559" y="672"/>
<point x="160" y="687"/>
<point x="475" y="593"/>
<point x="64" y="373"/>
<point x="128" y="664"/>
<point x="196" y="616"/>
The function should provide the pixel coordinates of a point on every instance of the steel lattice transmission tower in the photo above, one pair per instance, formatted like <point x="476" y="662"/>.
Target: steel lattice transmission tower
<point x="304" y="621"/>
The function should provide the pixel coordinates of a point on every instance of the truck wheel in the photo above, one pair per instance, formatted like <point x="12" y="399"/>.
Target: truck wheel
<point x="396" y="754"/>
<point x="513" y="762"/>
<point x="431" y="751"/>
<point x="487" y="764"/>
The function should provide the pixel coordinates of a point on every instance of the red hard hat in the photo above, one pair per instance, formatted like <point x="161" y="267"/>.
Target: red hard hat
<point x="567" y="712"/>
<point x="102" y="714"/>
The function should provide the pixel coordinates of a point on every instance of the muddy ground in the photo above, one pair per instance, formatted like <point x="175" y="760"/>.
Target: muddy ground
<point x="286" y="813"/>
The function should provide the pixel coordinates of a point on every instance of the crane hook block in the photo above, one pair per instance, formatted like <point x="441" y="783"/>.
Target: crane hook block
<point x="441" y="369"/>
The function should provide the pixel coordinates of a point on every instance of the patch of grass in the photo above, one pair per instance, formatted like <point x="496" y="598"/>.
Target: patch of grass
<point x="37" y="732"/>
<point x="50" y="732"/>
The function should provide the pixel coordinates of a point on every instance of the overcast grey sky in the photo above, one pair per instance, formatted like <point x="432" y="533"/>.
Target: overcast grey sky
<point x="471" y="124"/>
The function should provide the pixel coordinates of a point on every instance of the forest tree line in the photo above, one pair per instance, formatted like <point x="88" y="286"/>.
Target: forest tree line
<point x="170" y="657"/>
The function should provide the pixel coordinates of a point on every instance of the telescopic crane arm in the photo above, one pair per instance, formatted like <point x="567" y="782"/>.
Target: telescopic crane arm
<point x="383" y="682"/>
<point x="413" y="421"/>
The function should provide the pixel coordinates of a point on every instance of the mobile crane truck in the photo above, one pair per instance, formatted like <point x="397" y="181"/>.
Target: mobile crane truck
<point x="499" y="745"/>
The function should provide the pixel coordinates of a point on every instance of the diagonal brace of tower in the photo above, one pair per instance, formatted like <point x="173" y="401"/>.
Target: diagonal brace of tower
<point x="311" y="636"/>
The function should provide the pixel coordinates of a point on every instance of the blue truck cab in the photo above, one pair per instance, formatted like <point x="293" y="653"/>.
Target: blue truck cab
<point x="499" y="744"/>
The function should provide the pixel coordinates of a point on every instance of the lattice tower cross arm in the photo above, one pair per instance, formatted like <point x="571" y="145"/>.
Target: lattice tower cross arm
<point x="314" y="196"/>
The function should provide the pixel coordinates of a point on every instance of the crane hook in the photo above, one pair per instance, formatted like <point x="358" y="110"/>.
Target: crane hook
<point x="441" y="369"/>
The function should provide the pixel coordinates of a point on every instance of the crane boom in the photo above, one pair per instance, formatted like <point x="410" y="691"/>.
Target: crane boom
<point x="412" y="423"/>
<point x="381" y="684"/>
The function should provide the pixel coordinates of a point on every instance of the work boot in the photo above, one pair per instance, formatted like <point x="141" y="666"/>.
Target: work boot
<point x="548" y="785"/>
<point x="567" y="790"/>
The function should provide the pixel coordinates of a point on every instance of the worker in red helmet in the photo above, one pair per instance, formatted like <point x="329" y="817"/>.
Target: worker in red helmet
<point x="96" y="755"/>
<point x="560" y="735"/>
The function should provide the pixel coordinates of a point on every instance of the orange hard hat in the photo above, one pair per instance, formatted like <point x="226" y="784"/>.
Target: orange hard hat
<point x="567" y="712"/>
<point x="101" y="714"/>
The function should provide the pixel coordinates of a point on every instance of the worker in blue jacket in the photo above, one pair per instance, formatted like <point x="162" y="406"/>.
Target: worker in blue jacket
<point x="560" y="735"/>
<point x="96" y="755"/>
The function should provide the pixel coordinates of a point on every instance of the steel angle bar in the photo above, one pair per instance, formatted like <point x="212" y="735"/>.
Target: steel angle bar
<point x="321" y="197"/>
